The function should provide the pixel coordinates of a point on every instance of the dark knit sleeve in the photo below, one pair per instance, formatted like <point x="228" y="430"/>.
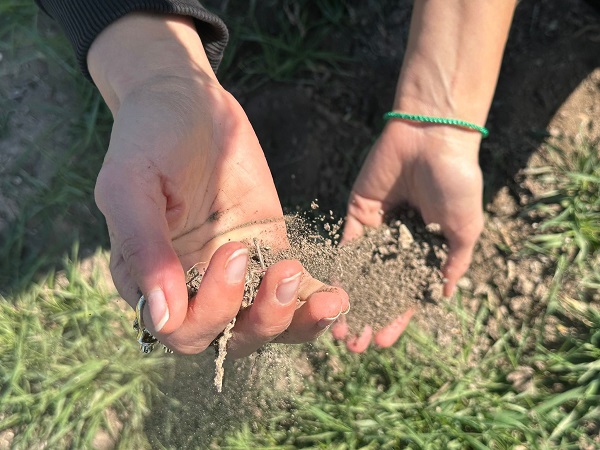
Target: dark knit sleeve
<point x="83" y="20"/>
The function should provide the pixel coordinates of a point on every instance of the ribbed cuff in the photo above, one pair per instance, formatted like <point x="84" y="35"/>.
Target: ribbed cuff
<point x="83" y="20"/>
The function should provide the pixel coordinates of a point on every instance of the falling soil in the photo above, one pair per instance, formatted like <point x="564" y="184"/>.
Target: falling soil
<point x="256" y="269"/>
<point x="388" y="271"/>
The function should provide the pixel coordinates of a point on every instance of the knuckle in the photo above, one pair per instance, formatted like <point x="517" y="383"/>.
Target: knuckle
<point x="268" y="332"/>
<point x="133" y="251"/>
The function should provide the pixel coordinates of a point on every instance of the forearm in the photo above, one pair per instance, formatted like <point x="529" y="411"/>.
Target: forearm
<point x="453" y="58"/>
<point x="141" y="46"/>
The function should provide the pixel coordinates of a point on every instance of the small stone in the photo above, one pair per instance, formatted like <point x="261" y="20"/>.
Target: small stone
<point x="524" y="286"/>
<point x="522" y="379"/>
<point x="406" y="238"/>
<point x="554" y="132"/>
<point x="481" y="289"/>
<point x="434" y="228"/>
<point x="540" y="291"/>
<point x="520" y="305"/>
<point x="6" y="439"/>
<point x="465" y="284"/>
<point x="435" y="290"/>
<point x="383" y="250"/>
<point x="511" y="271"/>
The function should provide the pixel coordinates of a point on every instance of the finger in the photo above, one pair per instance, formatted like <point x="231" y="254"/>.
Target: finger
<point x="359" y="344"/>
<point x="460" y="253"/>
<point x="320" y="310"/>
<point x="390" y="333"/>
<point x="217" y="302"/>
<point x="272" y="310"/>
<point x="353" y="229"/>
<point x="134" y="207"/>
<point x="339" y="330"/>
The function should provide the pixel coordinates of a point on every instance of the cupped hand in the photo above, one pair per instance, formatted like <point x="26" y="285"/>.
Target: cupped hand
<point x="185" y="183"/>
<point x="435" y="169"/>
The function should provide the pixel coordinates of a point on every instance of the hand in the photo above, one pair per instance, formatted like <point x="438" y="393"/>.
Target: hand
<point x="449" y="69"/>
<point x="183" y="182"/>
<point x="433" y="168"/>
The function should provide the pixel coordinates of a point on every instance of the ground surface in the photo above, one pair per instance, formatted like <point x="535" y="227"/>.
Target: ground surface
<point x="316" y="127"/>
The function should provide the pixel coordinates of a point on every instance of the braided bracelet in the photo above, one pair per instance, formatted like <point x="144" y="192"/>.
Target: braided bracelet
<point x="441" y="120"/>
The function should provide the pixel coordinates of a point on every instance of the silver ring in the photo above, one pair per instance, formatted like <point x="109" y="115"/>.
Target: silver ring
<point x="144" y="337"/>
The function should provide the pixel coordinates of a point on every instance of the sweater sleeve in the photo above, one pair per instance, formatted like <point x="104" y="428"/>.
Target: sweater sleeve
<point x="83" y="20"/>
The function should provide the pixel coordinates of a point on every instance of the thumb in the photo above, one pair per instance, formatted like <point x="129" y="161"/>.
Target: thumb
<point x="142" y="256"/>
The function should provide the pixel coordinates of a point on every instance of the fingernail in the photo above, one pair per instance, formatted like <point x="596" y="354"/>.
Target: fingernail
<point x="287" y="289"/>
<point x="159" y="311"/>
<point x="327" y="321"/>
<point x="236" y="265"/>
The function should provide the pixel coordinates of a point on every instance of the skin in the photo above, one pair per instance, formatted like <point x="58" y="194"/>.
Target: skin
<point x="450" y="69"/>
<point x="185" y="181"/>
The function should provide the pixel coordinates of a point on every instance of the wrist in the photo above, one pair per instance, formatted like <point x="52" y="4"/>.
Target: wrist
<point x="423" y="90"/>
<point x="142" y="47"/>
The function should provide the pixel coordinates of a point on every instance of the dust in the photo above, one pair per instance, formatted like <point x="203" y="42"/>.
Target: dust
<point x="190" y="413"/>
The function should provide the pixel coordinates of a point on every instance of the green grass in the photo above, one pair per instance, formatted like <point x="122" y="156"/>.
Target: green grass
<point x="65" y="367"/>
<point x="419" y="395"/>
<point x="570" y="211"/>
<point x="291" y="46"/>
<point x="65" y="370"/>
